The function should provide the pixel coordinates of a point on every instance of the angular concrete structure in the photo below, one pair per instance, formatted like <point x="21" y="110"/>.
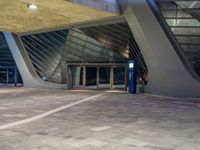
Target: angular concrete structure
<point x="29" y="76"/>
<point x="168" y="60"/>
<point x="169" y="72"/>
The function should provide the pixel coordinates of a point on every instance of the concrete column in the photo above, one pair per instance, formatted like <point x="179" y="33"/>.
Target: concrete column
<point x="84" y="76"/>
<point x="111" y="77"/>
<point x="77" y="76"/>
<point x="97" y="77"/>
<point x="63" y="73"/>
<point x="69" y="77"/>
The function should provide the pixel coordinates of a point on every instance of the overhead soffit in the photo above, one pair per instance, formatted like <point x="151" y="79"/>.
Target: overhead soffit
<point x="107" y="5"/>
<point x="16" y="17"/>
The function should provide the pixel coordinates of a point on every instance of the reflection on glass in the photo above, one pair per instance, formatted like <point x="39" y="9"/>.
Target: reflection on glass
<point x="11" y="76"/>
<point x="104" y="75"/>
<point x="7" y="76"/>
<point x="77" y="76"/>
<point x="91" y="76"/>
<point x="119" y="76"/>
<point x="3" y="76"/>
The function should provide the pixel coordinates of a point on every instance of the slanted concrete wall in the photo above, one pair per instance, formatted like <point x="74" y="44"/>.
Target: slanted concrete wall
<point x="29" y="77"/>
<point x="167" y="74"/>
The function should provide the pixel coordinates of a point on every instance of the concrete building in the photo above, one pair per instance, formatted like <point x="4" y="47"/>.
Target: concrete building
<point x="88" y="43"/>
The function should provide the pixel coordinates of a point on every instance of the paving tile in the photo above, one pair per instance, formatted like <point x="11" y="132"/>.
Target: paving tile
<point x="111" y="122"/>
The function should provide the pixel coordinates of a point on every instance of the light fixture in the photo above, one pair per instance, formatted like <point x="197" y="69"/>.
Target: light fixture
<point x="32" y="6"/>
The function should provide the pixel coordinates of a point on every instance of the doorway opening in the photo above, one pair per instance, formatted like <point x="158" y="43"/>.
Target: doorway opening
<point x="97" y="76"/>
<point x="9" y="76"/>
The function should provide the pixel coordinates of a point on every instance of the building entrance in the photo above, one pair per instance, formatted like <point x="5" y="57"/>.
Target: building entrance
<point x="8" y="76"/>
<point x="96" y="76"/>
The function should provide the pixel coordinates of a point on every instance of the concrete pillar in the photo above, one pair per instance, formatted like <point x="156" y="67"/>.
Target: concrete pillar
<point x="63" y="73"/>
<point x="111" y="77"/>
<point x="84" y="76"/>
<point x="77" y="76"/>
<point x="98" y="77"/>
<point x="69" y="77"/>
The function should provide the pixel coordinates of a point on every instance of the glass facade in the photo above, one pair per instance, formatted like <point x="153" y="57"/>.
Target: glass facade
<point x="119" y="76"/>
<point x="104" y="75"/>
<point x="91" y="76"/>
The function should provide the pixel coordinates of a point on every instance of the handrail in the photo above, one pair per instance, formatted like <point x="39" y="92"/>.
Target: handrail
<point x="194" y="15"/>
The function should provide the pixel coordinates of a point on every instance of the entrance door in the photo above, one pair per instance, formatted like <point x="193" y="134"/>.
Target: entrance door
<point x="104" y="77"/>
<point x="96" y="76"/>
<point x="91" y="77"/>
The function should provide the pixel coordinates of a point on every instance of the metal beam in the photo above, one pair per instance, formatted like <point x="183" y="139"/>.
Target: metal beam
<point x="97" y="64"/>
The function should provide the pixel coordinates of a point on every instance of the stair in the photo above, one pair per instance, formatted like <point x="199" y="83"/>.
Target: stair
<point x="183" y="18"/>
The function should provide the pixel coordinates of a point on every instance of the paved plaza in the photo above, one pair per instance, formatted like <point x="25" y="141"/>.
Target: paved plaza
<point x="96" y="120"/>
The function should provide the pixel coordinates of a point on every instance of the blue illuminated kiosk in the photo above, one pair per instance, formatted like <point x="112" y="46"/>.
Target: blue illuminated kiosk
<point x="132" y="76"/>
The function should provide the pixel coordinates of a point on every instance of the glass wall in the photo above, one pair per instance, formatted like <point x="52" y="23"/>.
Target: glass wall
<point x="119" y="77"/>
<point x="91" y="76"/>
<point x="104" y="77"/>
<point x="10" y="76"/>
<point x="3" y="76"/>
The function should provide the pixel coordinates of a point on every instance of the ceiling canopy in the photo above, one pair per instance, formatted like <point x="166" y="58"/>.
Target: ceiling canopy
<point x="16" y="17"/>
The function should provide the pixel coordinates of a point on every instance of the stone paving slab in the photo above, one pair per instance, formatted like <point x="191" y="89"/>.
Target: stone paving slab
<point x="113" y="121"/>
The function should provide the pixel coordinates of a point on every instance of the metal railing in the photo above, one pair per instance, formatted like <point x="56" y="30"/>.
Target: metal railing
<point x="112" y="43"/>
<point x="183" y="30"/>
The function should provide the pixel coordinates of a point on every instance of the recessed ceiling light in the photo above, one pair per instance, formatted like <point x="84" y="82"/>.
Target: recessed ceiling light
<point x="32" y="6"/>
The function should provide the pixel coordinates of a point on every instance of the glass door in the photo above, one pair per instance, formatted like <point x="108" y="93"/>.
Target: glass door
<point x="119" y="77"/>
<point x="91" y="77"/>
<point x="104" y="77"/>
<point x="11" y="76"/>
<point x="3" y="76"/>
